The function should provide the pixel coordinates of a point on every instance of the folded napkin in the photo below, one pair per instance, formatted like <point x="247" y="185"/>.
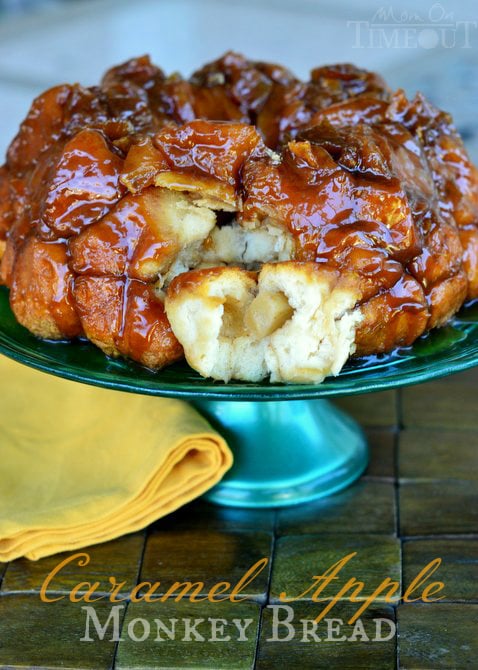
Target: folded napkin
<point x="81" y="465"/>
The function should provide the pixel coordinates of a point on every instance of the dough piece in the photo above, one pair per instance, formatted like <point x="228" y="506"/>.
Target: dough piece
<point x="294" y="322"/>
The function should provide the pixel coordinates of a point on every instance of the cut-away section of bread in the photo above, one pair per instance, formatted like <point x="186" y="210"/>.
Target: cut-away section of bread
<point x="219" y="241"/>
<point x="292" y="322"/>
<point x="157" y="234"/>
<point x="233" y="245"/>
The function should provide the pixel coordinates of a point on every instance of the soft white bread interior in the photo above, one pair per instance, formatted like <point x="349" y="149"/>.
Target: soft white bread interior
<point x="319" y="335"/>
<point x="206" y="311"/>
<point x="232" y="244"/>
<point x="294" y="322"/>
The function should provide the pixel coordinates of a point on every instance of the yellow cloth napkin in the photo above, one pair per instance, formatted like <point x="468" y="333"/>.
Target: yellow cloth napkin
<point x="81" y="465"/>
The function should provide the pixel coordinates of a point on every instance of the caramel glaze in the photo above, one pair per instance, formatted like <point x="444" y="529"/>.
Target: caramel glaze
<point x="6" y="203"/>
<point x="122" y="316"/>
<point x="126" y="242"/>
<point x="213" y="149"/>
<point x="347" y="209"/>
<point x="83" y="186"/>
<point x="454" y="175"/>
<point x="41" y="291"/>
<point x="70" y="176"/>
<point x="363" y="179"/>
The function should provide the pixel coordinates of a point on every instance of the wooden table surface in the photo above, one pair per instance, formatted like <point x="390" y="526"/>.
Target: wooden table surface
<point x="418" y="501"/>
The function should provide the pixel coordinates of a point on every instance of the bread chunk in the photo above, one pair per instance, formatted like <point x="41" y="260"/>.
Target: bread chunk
<point x="292" y="322"/>
<point x="41" y="293"/>
<point x="126" y="318"/>
<point x="143" y="236"/>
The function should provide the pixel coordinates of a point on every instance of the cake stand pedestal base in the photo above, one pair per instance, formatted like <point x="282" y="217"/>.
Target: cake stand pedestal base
<point x="285" y="452"/>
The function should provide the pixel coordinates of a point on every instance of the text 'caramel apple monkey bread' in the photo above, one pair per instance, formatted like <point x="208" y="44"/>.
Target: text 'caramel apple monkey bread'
<point x="260" y="226"/>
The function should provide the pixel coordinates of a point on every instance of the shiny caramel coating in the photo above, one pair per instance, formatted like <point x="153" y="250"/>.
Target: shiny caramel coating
<point x="206" y="157"/>
<point x="469" y="241"/>
<point x="17" y="234"/>
<point x="6" y="205"/>
<point x="141" y="237"/>
<point x="393" y="318"/>
<point x="121" y="242"/>
<point x="124" y="317"/>
<point x="353" y="220"/>
<point x="442" y="261"/>
<point x="454" y="175"/>
<point x="55" y="115"/>
<point x="361" y="180"/>
<point x="260" y="92"/>
<point x="83" y="186"/>
<point x="132" y="90"/>
<point x="41" y="294"/>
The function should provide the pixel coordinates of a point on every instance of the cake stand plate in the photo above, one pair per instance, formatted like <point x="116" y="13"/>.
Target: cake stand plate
<point x="290" y="444"/>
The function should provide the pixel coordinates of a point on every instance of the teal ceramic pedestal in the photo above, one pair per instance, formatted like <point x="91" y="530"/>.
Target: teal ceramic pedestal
<point x="286" y="452"/>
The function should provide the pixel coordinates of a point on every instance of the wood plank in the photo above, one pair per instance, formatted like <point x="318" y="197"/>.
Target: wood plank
<point x="299" y="558"/>
<point x="435" y="637"/>
<point x="365" y="507"/>
<point x="206" y="556"/>
<point x="34" y="634"/>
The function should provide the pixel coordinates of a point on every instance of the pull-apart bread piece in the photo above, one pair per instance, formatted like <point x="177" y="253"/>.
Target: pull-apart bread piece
<point x="262" y="226"/>
<point x="291" y="321"/>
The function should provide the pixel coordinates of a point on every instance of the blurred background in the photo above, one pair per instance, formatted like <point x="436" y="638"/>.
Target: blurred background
<point x="419" y="45"/>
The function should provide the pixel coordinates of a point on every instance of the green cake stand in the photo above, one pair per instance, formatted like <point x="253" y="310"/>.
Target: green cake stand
<point x="290" y="444"/>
